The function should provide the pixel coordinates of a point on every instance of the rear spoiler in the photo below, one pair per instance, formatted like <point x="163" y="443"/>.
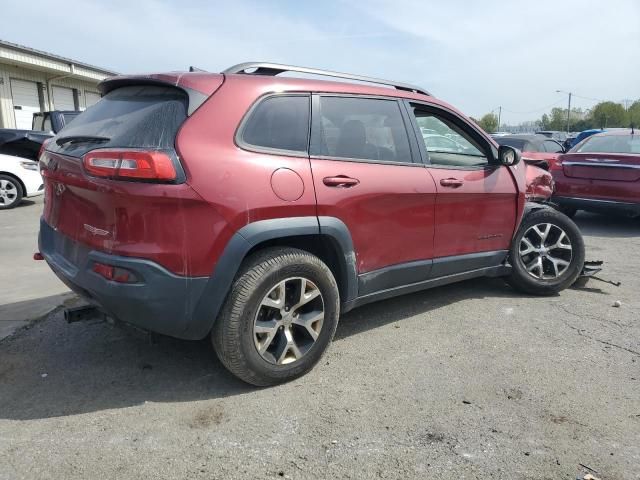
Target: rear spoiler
<point x="196" y="97"/>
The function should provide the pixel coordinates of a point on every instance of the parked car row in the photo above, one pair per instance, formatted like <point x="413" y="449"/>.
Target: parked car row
<point x="19" y="149"/>
<point x="601" y="173"/>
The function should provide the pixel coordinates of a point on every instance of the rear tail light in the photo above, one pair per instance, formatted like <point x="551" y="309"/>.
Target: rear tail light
<point x="43" y="147"/>
<point x="130" y="164"/>
<point x="116" y="274"/>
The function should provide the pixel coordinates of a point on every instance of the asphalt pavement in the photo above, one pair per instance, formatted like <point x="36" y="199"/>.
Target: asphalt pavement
<point x="466" y="381"/>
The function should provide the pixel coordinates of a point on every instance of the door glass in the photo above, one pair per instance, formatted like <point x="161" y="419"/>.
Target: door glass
<point x="446" y="143"/>
<point x="361" y="129"/>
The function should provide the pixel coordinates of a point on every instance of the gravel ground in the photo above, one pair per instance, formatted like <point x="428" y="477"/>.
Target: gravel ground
<point x="465" y="381"/>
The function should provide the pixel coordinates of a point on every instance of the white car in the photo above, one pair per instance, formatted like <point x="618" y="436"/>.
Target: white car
<point x="19" y="178"/>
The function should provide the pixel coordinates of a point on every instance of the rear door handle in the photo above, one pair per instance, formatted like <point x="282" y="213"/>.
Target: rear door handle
<point x="340" y="181"/>
<point x="451" y="182"/>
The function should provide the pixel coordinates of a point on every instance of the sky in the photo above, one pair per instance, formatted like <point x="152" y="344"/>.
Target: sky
<point x="475" y="55"/>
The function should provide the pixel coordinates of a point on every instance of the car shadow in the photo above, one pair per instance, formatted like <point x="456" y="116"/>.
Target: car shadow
<point x="57" y="369"/>
<point x="610" y="226"/>
<point x="25" y="202"/>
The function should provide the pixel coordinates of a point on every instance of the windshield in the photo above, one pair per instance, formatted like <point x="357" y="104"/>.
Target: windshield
<point x="610" y="144"/>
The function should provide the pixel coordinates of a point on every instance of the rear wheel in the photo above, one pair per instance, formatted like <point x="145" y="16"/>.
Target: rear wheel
<point x="279" y="317"/>
<point x="10" y="192"/>
<point x="547" y="253"/>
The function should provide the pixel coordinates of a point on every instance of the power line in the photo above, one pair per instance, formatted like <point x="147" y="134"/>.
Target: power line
<point x="536" y="110"/>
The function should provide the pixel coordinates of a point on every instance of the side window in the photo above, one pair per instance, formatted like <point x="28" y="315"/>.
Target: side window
<point x="280" y="122"/>
<point x="552" y="147"/>
<point x="446" y="143"/>
<point x="360" y="128"/>
<point x="37" y="123"/>
<point x="47" y="124"/>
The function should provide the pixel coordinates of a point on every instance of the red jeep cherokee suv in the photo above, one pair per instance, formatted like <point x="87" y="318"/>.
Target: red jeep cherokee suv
<point x="256" y="209"/>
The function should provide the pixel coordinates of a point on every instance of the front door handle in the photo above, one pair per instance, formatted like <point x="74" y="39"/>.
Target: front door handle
<point x="340" y="181"/>
<point x="451" y="182"/>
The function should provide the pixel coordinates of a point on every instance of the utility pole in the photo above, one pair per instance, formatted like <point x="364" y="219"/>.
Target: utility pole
<point x="499" y="116"/>
<point x="568" y="109"/>
<point x="569" y="113"/>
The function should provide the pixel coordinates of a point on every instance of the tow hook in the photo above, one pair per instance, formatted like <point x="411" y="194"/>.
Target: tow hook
<point x="83" y="313"/>
<point x="589" y="271"/>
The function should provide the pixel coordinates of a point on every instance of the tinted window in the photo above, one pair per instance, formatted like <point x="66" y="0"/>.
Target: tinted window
<point x="280" y="122"/>
<point x="447" y="143"/>
<point x="137" y="116"/>
<point x="361" y="128"/>
<point x="552" y="147"/>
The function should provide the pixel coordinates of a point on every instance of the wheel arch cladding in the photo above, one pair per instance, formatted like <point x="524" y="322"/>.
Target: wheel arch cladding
<point x="530" y="207"/>
<point x="326" y="237"/>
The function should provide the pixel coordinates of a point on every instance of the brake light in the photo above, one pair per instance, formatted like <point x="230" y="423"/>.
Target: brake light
<point x="116" y="274"/>
<point x="130" y="164"/>
<point x="42" y="147"/>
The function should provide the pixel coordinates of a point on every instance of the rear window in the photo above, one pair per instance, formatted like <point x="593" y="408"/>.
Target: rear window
<point x="137" y="116"/>
<point x="610" y="144"/>
<point x="518" y="143"/>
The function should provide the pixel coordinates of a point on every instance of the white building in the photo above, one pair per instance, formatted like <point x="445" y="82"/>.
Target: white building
<point x="34" y="81"/>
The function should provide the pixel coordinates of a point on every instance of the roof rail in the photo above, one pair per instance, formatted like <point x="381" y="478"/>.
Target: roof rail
<point x="272" y="69"/>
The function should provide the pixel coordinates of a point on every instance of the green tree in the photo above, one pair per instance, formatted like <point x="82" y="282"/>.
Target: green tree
<point x="634" y="114"/>
<point x="489" y="122"/>
<point x="609" y="114"/>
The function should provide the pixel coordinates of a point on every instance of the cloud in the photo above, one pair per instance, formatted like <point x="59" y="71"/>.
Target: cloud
<point x="477" y="55"/>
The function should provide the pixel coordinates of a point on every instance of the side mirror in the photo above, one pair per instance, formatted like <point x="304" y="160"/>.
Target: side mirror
<point x="509" y="156"/>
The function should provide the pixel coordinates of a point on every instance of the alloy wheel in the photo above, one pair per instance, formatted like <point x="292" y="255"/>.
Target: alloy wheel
<point x="288" y="321"/>
<point x="545" y="251"/>
<point x="8" y="192"/>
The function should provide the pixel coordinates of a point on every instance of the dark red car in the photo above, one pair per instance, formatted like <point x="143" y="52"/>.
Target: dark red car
<point x="256" y="209"/>
<point x="600" y="174"/>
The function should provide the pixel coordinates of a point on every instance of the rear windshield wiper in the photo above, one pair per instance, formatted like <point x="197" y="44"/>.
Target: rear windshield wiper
<point x="81" y="139"/>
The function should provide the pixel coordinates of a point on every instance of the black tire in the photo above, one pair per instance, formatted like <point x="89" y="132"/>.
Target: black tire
<point x="16" y="189"/>
<point x="233" y="334"/>
<point x="568" y="211"/>
<point x="526" y="282"/>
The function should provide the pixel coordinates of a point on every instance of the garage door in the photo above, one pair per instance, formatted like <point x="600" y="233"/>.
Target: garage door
<point x="25" y="102"/>
<point x="63" y="98"/>
<point x="91" y="98"/>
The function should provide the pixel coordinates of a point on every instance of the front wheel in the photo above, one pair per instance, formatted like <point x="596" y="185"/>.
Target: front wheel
<point x="279" y="317"/>
<point x="547" y="253"/>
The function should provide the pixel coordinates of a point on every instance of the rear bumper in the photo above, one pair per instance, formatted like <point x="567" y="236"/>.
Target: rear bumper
<point x="161" y="302"/>
<point x="598" y="205"/>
